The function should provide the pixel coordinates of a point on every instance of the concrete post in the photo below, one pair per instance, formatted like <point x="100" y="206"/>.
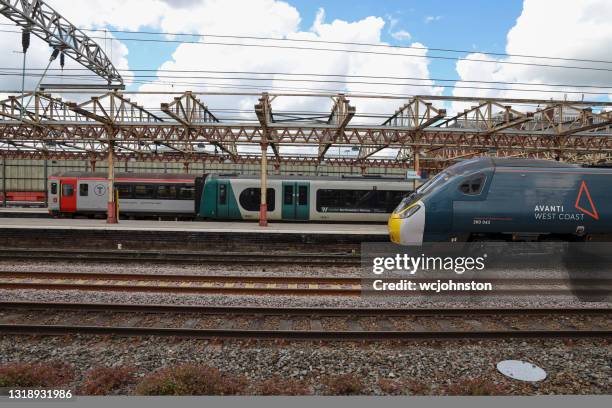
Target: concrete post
<point x="263" y="208"/>
<point x="111" y="217"/>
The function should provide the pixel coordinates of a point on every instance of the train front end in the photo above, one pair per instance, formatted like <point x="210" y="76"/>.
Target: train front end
<point x="407" y="223"/>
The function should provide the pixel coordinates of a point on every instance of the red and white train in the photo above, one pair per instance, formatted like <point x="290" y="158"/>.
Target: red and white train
<point x="148" y="195"/>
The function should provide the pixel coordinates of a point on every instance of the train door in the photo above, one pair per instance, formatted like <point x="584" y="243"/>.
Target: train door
<point x="296" y="203"/>
<point x="223" y="191"/>
<point x="68" y="199"/>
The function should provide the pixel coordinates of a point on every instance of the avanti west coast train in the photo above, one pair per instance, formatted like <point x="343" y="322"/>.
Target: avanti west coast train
<point x="230" y="197"/>
<point x="507" y="199"/>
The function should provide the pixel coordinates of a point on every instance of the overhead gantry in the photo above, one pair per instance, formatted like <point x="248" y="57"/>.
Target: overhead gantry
<point x="40" y="19"/>
<point x="340" y="116"/>
<point x="416" y="115"/>
<point x="569" y="129"/>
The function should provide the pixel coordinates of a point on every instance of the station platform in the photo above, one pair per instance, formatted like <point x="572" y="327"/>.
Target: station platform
<point x="195" y="226"/>
<point x="24" y="212"/>
<point x="188" y="235"/>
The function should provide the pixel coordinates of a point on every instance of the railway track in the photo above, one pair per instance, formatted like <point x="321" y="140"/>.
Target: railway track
<point x="181" y="257"/>
<point x="300" y="323"/>
<point x="250" y="284"/>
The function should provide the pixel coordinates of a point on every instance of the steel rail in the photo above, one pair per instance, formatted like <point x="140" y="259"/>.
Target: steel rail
<point x="182" y="257"/>
<point x="63" y="329"/>
<point x="298" y="311"/>
<point x="245" y="285"/>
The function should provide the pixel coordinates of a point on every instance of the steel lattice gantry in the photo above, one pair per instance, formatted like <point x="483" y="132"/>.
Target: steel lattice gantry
<point x="416" y="135"/>
<point x="47" y="24"/>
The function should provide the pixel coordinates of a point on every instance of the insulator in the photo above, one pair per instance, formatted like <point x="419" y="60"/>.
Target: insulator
<point x="62" y="60"/>
<point x="25" y="40"/>
<point x="54" y="54"/>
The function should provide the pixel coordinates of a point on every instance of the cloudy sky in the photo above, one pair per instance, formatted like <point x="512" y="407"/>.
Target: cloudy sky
<point x="573" y="30"/>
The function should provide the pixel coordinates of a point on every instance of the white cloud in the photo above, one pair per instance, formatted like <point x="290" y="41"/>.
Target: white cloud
<point x="431" y="19"/>
<point x="281" y="20"/>
<point x="557" y="28"/>
<point x="401" y="35"/>
<point x="269" y="18"/>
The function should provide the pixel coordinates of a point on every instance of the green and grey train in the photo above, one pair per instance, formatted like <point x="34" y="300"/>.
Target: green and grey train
<point x="298" y="198"/>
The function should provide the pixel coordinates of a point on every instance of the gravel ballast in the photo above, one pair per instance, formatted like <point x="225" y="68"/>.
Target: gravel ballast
<point x="573" y="367"/>
<point x="431" y="367"/>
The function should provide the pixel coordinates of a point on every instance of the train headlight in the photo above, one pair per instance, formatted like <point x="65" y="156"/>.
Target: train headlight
<point x="410" y="211"/>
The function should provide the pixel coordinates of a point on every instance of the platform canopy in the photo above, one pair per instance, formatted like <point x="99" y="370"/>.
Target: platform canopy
<point x="419" y="133"/>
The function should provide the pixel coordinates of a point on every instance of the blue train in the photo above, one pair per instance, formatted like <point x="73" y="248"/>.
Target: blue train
<point x="508" y="200"/>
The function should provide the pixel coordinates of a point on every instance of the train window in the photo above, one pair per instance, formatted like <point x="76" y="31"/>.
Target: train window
<point x="365" y="201"/>
<point x="288" y="197"/>
<point x="166" y="192"/>
<point x="474" y="185"/>
<point x="144" y="191"/>
<point x="124" y="191"/>
<point x="53" y="188"/>
<point x="302" y="195"/>
<point x="67" y="190"/>
<point x="83" y="190"/>
<point x="222" y="194"/>
<point x="186" y="193"/>
<point x="433" y="183"/>
<point x="250" y="199"/>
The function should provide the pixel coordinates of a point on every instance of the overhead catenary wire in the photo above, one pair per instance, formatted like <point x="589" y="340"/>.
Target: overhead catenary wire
<point x="352" y="43"/>
<point x="254" y="79"/>
<point x="368" y="52"/>
<point x="199" y="71"/>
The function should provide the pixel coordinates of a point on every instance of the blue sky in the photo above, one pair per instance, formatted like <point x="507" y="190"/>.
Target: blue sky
<point x="472" y="25"/>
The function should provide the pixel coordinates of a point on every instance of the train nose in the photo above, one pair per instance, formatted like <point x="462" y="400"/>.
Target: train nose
<point x="394" y="225"/>
<point x="407" y="226"/>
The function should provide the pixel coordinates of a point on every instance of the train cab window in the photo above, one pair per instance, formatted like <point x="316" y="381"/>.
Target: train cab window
<point x="186" y="193"/>
<point x="144" y="191"/>
<point x="83" y="190"/>
<point x="67" y="190"/>
<point x="166" y="192"/>
<point x="53" y="188"/>
<point x="473" y="185"/>
<point x="124" y="191"/>
<point x="302" y="195"/>
<point x="250" y="199"/>
<point x="288" y="198"/>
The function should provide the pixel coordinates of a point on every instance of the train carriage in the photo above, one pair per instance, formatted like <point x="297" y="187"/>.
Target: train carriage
<point x="140" y="195"/>
<point x="295" y="198"/>
<point x="507" y="199"/>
